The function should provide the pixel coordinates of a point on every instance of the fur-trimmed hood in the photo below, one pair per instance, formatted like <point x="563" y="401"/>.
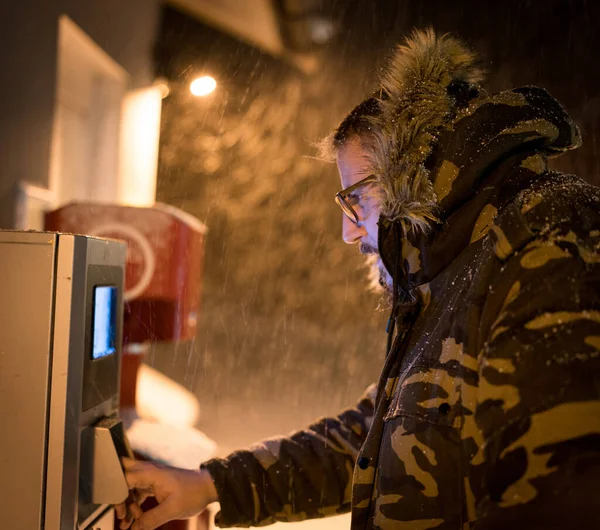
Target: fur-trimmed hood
<point x="415" y="103"/>
<point x="438" y="137"/>
<point x="432" y="82"/>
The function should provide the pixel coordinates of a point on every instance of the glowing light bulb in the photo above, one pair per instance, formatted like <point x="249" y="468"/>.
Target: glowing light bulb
<point x="203" y="86"/>
<point x="162" y="85"/>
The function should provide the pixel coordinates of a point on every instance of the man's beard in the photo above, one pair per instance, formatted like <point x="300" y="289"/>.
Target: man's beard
<point x="380" y="280"/>
<point x="365" y="248"/>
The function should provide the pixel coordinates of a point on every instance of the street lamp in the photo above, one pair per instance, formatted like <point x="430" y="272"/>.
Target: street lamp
<point x="203" y="86"/>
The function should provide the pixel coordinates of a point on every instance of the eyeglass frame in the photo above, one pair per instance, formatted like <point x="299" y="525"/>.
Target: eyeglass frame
<point x="340" y="198"/>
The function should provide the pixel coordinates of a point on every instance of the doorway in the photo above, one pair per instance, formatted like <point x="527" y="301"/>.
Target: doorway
<point x="91" y="87"/>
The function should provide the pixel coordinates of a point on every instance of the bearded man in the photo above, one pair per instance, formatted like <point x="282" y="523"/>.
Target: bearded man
<point x="487" y="411"/>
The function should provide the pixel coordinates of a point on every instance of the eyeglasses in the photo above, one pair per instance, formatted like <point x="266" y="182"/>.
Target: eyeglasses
<point x="342" y="197"/>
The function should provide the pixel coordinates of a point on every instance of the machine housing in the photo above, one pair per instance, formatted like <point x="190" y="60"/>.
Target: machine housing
<point x="61" y="315"/>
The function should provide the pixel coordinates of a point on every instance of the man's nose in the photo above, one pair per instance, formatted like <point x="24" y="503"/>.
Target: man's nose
<point x="351" y="233"/>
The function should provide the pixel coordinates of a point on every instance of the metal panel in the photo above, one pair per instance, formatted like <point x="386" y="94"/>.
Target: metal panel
<point x="76" y="254"/>
<point x="105" y="522"/>
<point x="65" y="394"/>
<point x="44" y="294"/>
<point x="26" y="295"/>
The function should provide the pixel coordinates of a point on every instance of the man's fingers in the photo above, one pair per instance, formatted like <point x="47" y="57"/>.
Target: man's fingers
<point x="154" y="518"/>
<point x="126" y="522"/>
<point x="121" y="510"/>
<point x="135" y="473"/>
<point x="141" y="478"/>
<point x="135" y="510"/>
<point x="141" y="496"/>
<point x="129" y="463"/>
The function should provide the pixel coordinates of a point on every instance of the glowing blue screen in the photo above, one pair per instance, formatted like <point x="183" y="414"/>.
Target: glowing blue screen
<point x="105" y="321"/>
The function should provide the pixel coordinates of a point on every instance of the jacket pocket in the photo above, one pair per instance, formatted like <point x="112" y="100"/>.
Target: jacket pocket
<point x="427" y="392"/>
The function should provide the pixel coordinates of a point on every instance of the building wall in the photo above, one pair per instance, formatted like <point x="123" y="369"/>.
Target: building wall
<point x="28" y="48"/>
<point x="286" y="323"/>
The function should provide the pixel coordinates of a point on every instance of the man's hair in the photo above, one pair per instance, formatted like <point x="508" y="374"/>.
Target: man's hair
<point x="357" y="124"/>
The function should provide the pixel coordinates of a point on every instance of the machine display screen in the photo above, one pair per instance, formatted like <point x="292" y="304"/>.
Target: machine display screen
<point x="104" y="331"/>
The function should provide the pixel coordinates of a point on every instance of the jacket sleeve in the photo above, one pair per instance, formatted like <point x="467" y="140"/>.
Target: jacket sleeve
<point x="538" y="464"/>
<point x="305" y="475"/>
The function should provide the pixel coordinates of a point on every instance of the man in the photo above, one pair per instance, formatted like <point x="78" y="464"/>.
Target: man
<point x="487" y="412"/>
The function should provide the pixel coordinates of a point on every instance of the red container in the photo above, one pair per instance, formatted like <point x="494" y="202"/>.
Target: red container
<point x="164" y="264"/>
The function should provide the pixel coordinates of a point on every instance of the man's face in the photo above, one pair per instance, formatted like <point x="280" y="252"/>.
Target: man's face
<point x="352" y="163"/>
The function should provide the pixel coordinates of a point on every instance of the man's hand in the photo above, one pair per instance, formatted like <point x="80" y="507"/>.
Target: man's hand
<point x="180" y="493"/>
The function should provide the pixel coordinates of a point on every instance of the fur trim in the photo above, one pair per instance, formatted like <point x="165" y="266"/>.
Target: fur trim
<point x="415" y="104"/>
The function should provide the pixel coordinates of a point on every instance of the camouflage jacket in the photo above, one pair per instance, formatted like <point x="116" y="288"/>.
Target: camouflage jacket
<point x="487" y="413"/>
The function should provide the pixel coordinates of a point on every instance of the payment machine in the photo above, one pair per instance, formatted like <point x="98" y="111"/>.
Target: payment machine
<point x="61" y="314"/>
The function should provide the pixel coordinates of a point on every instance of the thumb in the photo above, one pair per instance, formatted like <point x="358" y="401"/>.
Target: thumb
<point x="154" y="518"/>
<point x="128" y="463"/>
<point x="138" y="474"/>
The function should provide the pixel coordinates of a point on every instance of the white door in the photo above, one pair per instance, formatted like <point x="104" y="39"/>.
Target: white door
<point x="85" y="145"/>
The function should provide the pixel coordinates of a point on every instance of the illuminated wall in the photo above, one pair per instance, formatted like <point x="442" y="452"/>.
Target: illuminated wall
<point x="28" y="50"/>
